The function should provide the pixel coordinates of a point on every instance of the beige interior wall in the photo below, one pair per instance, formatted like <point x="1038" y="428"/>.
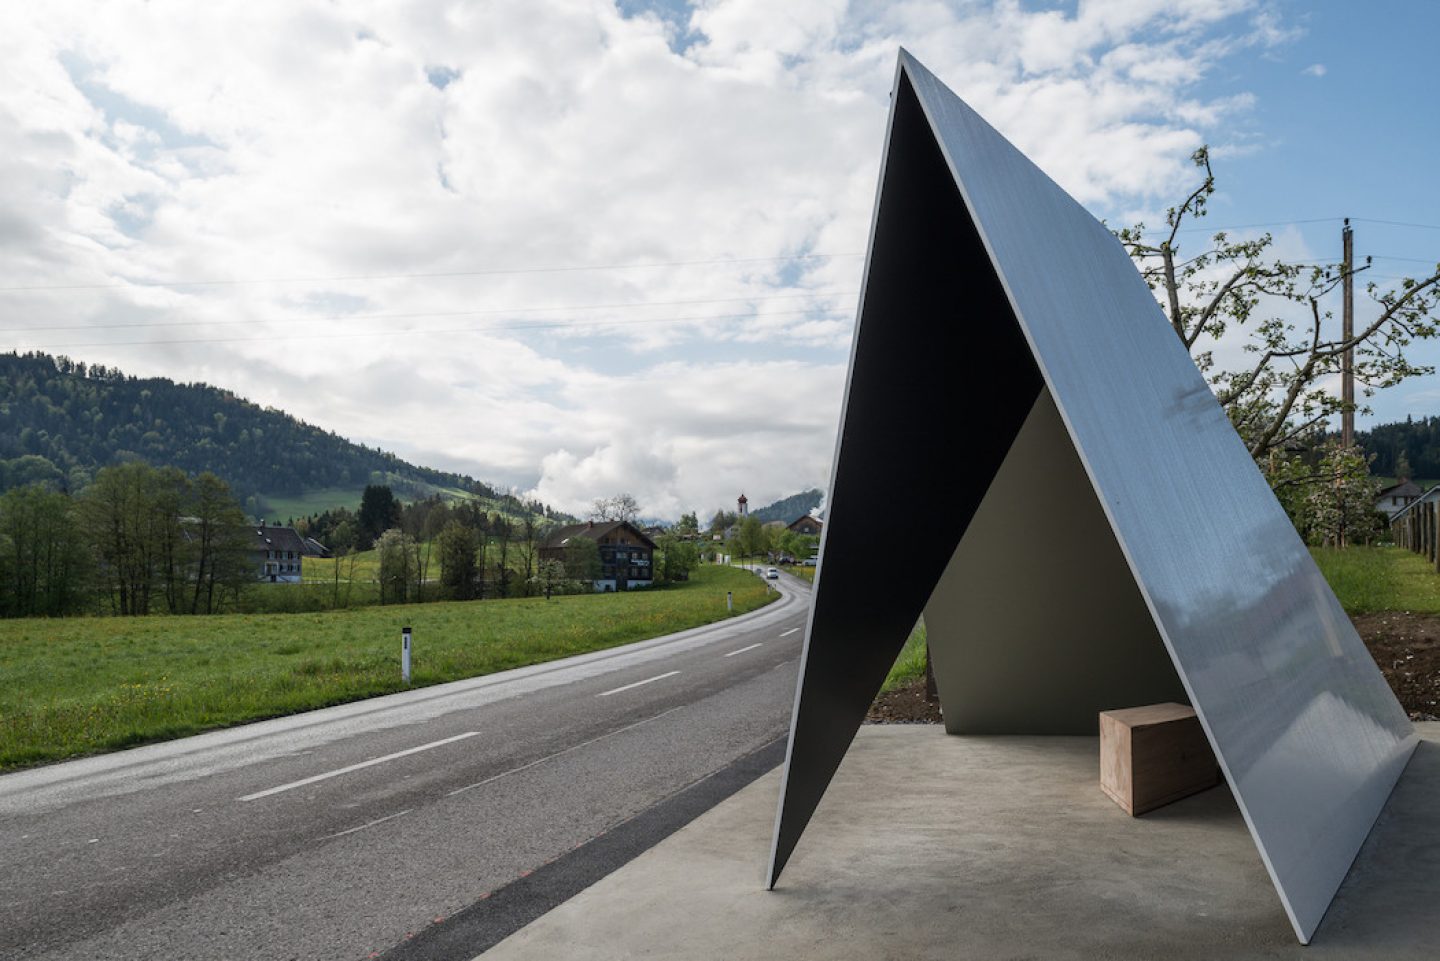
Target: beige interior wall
<point x="1036" y="625"/>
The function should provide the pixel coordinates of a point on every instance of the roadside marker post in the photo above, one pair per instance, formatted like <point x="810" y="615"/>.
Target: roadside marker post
<point x="730" y="601"/>
<point x="405" y="654"/>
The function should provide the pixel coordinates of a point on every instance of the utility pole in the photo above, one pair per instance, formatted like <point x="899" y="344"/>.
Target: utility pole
<point x="1347" y="362"/>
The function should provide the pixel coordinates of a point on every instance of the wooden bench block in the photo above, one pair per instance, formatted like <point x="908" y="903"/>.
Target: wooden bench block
<point x="1152" y="755"/>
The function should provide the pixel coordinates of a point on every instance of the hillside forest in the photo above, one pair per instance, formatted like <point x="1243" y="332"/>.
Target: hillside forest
<point x="64" y="420"/>
<point x="1408" y="448"/>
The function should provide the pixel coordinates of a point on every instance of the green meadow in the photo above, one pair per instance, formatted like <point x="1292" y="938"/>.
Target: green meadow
<point x="83" y="685"/>
<point x="1368" y="579"/>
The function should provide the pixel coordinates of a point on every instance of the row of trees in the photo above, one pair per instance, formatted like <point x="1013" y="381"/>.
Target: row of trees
<point x="483" y="555"/>
<point x="755" y="539"/>
<point x="142" y="539"/>
<point x="138" y="539"/>
<point x="1406" y="449"/>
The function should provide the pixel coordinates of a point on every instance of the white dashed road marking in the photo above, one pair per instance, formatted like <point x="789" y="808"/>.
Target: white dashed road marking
<point x="368" y="824"/>
<point x="551" y="757"/>
<point x="356" y="767"/>
<point x="648" y="680"/>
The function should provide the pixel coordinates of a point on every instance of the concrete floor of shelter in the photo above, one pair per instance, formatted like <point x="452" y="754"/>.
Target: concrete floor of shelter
<point x="931" y="846"/>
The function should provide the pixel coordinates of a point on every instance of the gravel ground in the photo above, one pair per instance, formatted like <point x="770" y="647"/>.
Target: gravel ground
<point x="1406" y="646"/>
<point x="905" y="705"/>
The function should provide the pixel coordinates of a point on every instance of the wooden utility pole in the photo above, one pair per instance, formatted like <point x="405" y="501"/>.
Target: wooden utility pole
<point x="1347" y="362"/>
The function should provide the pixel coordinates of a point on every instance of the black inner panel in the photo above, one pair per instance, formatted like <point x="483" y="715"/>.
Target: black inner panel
<point x="942" y="379"/>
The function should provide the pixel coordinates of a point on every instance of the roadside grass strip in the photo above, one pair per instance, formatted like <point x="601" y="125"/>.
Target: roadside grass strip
<point x="84" y="685"/>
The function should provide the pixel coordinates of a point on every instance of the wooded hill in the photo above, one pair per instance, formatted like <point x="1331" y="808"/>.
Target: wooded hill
<point x="1416" y="440"/>
<point x="60" y="421"/>
<point x="790" y="508"/>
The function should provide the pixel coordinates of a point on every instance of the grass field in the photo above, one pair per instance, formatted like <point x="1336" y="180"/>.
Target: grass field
<point x="83" y="685"/>
<point x="366" y="564"/>
<point x="1424" y="484"/>
<point x="800" y="570"/>
<point x="1368" y="579"/>
<point x="281" y="508"/>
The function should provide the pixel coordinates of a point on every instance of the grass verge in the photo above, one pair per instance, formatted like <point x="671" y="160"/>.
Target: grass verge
<point x="910" y="665"/>
<point x="80" y="686"/>
<point x="800" y="570"/>
<point x="1365" y="579"/>
<point x="1368" y="579"/>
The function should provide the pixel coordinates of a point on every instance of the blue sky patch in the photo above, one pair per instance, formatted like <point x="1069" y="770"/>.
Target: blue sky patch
<point x="441" y="77"/>
<point x="119" y="108"/>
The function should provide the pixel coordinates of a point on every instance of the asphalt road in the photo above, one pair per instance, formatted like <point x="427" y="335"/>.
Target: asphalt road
<point x="363" y="830"/>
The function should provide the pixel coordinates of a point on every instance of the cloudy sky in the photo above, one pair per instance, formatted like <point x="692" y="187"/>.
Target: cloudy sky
<point x="576" y="247"/>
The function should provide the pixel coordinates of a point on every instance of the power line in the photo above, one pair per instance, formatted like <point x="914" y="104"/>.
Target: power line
<point x="1272" y="223"/>
<point x="1314" y="220"/>
<point x="421" y="314"/>
<point x="820" y="315"/>
<point x="1396" y="223"/>
<point x="560" y="268"/>
<point x="1412" y="260"/>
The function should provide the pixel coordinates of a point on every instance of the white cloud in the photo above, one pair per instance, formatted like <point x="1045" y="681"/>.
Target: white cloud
<point x="281" y="141"/>
<point x="1314" y="70"/>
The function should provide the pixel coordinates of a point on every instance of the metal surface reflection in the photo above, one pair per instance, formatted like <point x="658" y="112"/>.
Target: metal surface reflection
<point x="985" y="283"/>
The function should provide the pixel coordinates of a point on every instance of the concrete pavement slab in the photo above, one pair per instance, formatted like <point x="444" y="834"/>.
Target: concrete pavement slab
<point x="931" y="846"/>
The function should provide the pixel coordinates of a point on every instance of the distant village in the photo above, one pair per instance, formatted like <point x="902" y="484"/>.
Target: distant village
<point x="625" y="549"/>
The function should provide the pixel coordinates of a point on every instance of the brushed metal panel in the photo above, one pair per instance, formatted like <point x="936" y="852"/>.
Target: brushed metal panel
<point x="1307" y="732"/>
<point x="932" y="317"/>
<point x="1036" y="626"/>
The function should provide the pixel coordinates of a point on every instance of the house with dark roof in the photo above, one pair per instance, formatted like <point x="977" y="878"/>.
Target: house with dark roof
<point x="1429" y="497"/>
<point x="277" y="553"/>
<point x="1397" y="497"/>
<point x="627" y="555"/>
<point x="808" y="525"/>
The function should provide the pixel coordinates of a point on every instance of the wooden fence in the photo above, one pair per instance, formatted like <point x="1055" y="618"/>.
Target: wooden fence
<point x="1418" y="529"/>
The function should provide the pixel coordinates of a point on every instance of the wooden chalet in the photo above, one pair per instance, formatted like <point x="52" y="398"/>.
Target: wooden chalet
<point x="627" y="555"/>
<point x="808" y="525"/>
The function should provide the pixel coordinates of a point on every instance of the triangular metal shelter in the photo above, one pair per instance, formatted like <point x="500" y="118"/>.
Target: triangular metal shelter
<point x="1097" y="536"/>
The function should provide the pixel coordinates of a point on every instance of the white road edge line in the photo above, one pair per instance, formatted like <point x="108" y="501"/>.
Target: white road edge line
<point x="648" y="680"/>
<point x="368" y="824"/>
<point x="551" y="757"/>
<point x="743" y="650"/>
<point x="356" y="767"/>
<point x="789" y="632"/>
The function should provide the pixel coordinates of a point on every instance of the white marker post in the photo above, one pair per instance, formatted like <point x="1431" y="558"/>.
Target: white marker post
<point x="405" y="654"/>
<point x="730" y="601"/>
